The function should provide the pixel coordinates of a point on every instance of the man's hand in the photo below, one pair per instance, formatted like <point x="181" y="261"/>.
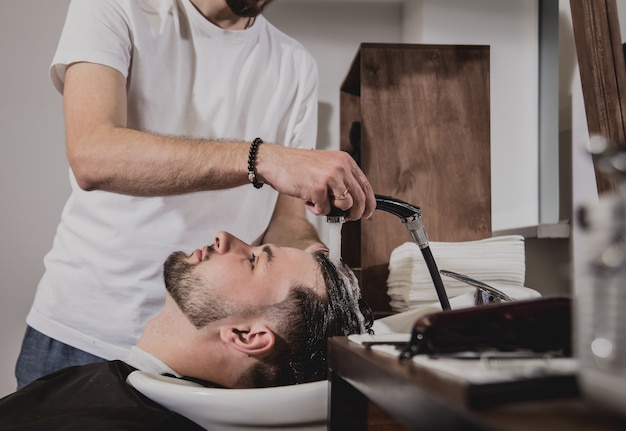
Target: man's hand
<point x="321" y="178"/>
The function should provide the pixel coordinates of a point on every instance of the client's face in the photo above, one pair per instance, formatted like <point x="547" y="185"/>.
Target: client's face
<point x="231" y="276"/>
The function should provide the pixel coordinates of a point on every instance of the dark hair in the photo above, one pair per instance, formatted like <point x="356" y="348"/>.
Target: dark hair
<point x="305" y="321"/>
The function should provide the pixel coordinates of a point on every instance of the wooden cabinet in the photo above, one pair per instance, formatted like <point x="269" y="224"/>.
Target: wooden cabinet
<point x="417" y="119"/>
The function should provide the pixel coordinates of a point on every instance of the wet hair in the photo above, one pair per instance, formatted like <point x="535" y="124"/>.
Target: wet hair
<point x="305" y="320"/>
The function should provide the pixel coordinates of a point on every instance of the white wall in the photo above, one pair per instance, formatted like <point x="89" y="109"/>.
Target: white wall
<point x="33" y="169"/>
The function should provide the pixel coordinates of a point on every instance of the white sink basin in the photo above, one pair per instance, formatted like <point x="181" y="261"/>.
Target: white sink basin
<point x="298" y="407"/>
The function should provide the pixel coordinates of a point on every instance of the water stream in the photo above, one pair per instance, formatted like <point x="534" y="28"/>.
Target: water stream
<point x="334" y="241"/>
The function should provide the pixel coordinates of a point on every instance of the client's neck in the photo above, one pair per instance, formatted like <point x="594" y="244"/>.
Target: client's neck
<point x="189" y="351"/>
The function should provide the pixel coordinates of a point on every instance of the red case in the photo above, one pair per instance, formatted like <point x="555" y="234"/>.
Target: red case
<point x="536" y="325"/>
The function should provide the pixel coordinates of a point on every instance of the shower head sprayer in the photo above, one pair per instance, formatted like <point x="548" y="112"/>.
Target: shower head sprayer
<point x="396" y="207"/>
<point x="408" y="214"/>
<point x="336" y="215"/>
<point x="388" y="204"/>
<point x="411" y="216"/>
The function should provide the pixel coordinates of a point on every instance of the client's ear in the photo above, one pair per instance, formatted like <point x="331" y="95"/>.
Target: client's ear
<point x="252" y="340"/>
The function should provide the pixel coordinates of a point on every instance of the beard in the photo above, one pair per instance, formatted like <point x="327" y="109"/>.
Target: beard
<point x="192" y="292"/>
<point x="246" y="8"/>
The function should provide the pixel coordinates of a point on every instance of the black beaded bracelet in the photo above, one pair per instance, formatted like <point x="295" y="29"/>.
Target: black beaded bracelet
<point x="254" y="146"/>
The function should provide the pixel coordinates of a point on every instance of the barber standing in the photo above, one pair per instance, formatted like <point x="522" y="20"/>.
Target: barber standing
<point x="181" y="116"/>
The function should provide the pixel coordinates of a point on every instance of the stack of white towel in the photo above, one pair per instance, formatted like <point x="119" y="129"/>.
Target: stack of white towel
<point x="495" y="261"/>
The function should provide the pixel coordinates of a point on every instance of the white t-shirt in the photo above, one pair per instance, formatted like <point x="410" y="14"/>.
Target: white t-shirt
<point x="185" y="77"/>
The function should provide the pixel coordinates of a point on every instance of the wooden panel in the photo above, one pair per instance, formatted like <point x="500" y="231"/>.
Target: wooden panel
<point x="425" y="139"/>
<point x="602" y="72"/>
<point x="350" y="141"/>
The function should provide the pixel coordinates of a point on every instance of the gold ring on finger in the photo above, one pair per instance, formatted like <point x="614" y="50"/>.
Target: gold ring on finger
<point x="342" y="196"/>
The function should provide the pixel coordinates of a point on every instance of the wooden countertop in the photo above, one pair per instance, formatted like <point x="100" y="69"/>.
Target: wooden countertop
<point x="420" y="397"/>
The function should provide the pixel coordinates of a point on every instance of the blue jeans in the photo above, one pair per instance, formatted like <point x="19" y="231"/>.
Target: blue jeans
<point x="41" y="355"/>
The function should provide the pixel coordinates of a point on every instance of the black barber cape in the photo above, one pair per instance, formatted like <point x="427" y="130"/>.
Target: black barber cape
<point x="90" y="397"/>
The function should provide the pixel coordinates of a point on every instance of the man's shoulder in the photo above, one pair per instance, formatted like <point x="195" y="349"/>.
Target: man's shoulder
<point x="287" y="42"/>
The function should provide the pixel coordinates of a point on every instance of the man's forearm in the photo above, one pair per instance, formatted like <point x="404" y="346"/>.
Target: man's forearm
<point x="144" y="164"/>
<point x="289" y="225"/>
<point x="295" y="233"/>
<point x="105" y="154"/>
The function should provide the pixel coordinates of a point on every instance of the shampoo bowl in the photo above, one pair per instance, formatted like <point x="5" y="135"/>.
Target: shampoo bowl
<point x="299" y="407"/>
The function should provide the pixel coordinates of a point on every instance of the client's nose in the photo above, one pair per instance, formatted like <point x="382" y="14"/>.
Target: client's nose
<point x="225" y="242"/>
